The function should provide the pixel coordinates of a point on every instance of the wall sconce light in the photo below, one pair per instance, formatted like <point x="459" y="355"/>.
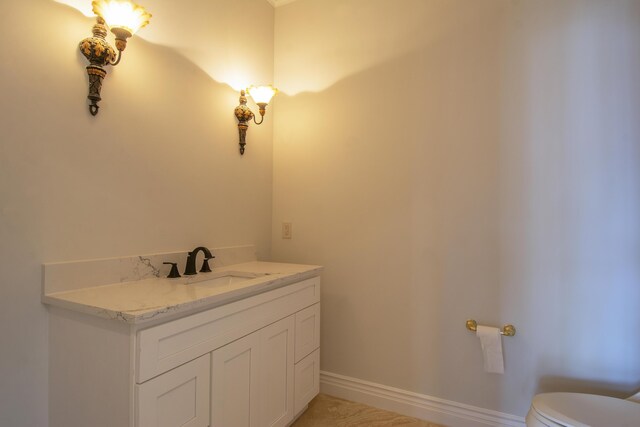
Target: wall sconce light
<point x="261" y="95"/>
<point x="124" y="19"/>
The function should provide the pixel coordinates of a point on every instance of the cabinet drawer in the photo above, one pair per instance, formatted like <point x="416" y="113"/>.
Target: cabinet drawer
<point x="307" y="381"/>
<point x="307" y="331"/>
<point x="163" y="347"/>
<point x="177" y="398"/>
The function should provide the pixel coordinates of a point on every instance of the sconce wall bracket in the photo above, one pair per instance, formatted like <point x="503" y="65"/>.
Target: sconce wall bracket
<point x="243" y="114"/>
<point x="96" y="74"/>
<point x="99" y="53"/>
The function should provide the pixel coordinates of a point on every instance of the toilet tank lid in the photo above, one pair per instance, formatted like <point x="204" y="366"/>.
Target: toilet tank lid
<point x="587" y="410"/>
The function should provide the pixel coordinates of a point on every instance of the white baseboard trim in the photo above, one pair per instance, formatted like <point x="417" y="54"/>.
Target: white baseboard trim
<point x="415" y="405"/>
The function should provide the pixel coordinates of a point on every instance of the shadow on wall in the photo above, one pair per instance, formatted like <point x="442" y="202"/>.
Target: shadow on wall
<point x="340" y="39"/>
<point x="210" y="35"/>
<point x="483" y="175"/>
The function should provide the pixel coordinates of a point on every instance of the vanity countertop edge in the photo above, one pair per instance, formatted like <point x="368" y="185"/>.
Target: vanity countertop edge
<point x="138" y="302"/>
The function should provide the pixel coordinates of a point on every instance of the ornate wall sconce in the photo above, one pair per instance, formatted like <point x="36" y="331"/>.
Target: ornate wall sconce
<point x="124" y="19"/>
<point x="261" y="95"/>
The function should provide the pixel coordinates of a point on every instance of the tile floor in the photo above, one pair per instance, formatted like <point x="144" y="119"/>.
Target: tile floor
<point x="328" y="411"/>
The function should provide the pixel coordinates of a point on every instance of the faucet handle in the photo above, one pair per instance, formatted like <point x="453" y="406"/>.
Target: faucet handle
<point x="174" y="270"/>
<point x="205" y="265"/>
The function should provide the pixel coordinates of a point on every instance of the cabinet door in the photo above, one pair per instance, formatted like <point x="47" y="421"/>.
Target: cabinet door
<point x="234" y="383"/>
<point x="307" y="331"/>
<point x="178" y="398"/>
<point x="277" y="373"/>
<point x="307" y="383"/>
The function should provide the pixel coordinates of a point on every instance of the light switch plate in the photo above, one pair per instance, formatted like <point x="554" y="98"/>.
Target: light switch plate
<point x="286" y="230"/>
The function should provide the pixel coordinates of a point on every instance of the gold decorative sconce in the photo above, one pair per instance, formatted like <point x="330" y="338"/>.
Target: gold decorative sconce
<point x="124" y="19"/>
<point x="261" y="95"/>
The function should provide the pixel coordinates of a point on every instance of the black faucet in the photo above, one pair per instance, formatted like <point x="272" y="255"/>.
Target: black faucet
<point x="190" y="268"/>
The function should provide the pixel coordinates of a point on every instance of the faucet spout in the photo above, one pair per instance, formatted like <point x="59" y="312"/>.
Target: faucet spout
<point x="190" y="268"/>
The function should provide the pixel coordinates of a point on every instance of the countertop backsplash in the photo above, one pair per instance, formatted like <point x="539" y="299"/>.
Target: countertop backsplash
<point x="75" y="275"/>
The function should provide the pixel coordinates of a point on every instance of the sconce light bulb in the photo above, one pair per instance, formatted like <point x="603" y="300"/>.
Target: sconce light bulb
<point x="262" y="94"/>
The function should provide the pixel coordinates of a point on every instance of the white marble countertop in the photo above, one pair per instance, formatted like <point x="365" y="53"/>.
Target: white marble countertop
<point x="143" y="300"/>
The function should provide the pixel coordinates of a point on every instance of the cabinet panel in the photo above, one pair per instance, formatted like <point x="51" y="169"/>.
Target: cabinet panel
<point x="276" y="373"/>
<point x="307" y="331"/>
<point x="307" y="380"/>
<point x="171" y="344"/>
<point x="234" y="383"/>
<point x="178" y="398"/>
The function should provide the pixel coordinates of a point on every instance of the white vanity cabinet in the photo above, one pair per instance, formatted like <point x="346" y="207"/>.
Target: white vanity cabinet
<point x="253" y="362"/>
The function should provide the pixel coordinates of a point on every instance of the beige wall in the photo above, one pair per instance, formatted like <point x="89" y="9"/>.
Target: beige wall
<point x="459" y="159"/>
<point x="157" y="170"/>
<point x="442" y="159"/>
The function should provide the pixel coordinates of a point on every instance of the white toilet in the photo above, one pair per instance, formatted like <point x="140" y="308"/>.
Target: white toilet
<point x="583" y="410"/>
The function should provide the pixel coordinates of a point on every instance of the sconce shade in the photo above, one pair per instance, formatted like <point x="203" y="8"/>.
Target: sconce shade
<point x="121" y="15"/>
<point x="262" y="94"/>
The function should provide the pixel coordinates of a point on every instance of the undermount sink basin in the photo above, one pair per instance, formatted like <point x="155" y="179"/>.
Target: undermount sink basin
<point x="226" y="279"/>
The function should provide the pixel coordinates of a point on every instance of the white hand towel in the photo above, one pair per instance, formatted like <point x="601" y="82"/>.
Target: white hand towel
<point x="491" y="342"/>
